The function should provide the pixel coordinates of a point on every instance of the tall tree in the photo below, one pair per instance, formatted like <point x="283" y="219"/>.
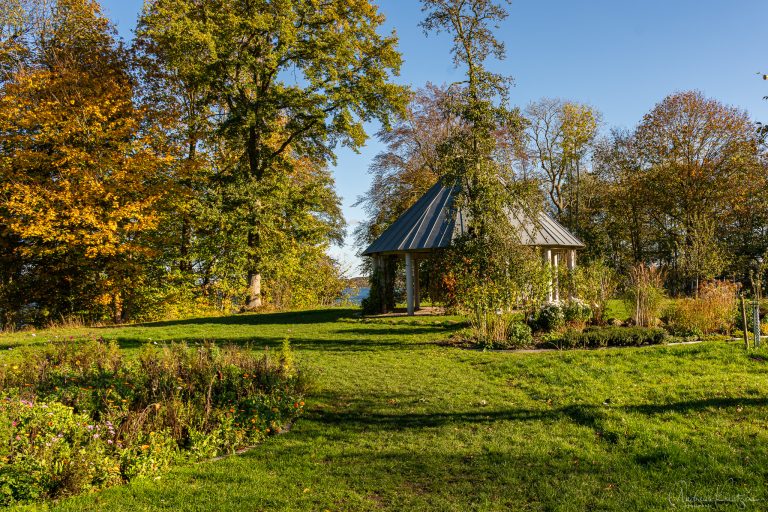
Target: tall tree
<point x="290" y="79"/>
<point x="701" y="160"/>
<point x="486" y="256"/>
<point x="172" y="87"/>
<point x="687" y="189"/>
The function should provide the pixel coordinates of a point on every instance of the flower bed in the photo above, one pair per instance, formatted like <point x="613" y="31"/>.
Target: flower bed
<point x="80" y="416"/>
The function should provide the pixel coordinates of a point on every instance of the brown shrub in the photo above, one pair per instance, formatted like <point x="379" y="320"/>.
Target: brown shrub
<point x="713" y="311"/>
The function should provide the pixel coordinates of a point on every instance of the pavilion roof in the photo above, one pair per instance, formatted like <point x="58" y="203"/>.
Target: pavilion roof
<point x="432" y="223"/>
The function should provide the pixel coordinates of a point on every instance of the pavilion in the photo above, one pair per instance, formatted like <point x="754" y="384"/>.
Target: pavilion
<point x="432" y="223"/>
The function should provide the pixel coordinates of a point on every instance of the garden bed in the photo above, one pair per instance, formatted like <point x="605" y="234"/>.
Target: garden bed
<point x="79" y="416"/>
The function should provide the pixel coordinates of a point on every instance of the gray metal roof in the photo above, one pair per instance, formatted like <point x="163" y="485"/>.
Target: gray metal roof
<point x="431" y="223"/>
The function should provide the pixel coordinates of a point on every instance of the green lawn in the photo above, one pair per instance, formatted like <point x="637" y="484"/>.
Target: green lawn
<point x="399" y="422"/>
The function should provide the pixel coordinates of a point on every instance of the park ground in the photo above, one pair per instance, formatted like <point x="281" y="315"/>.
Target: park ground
<point x="399" y="421"/>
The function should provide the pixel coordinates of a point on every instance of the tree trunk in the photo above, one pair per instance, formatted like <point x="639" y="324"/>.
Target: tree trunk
<point x="186" y="229"/>
<point x="254" y="290"/>
<point x="184" y="263"/>
<point x="254" y="275"/>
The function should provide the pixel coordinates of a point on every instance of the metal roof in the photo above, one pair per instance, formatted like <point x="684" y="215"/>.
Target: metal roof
<point x="432" y="223"/>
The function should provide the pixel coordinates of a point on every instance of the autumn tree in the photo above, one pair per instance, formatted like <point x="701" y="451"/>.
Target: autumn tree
<point x="79" y="174"/>
<point x="700" y="164"/>
<point x="290" y="80"/>
<point x="410" y="164"/>
<point x="617" y="220"/>
<point x="686" y="189"/>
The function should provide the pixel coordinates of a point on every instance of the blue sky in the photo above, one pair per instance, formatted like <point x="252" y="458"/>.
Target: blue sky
<point x="620" y="56"/>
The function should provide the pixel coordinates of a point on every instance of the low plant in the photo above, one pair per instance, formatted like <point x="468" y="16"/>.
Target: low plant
<point x="495" y="330"/>
<point x="644" y="294"/>
<point x="520" y="335"/>
<point x="595" y="283"/>
<point x="78" y="416"/>
<point x="600" y="337"/>
<point x="489" y="328"/>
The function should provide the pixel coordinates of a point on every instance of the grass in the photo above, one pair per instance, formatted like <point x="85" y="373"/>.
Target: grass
<point x="398" y="422"/>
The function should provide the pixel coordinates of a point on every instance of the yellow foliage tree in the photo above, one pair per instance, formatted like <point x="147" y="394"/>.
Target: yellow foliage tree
<point x="80" y="177"/>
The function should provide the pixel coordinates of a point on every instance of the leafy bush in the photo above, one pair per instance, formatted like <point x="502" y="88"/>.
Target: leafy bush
<point x="684" y="333"/>
<point x="598" y="337"/>
<point x="550" y="317"/>
<point x="78" y="416"/>
<point x="519" y="335"/>
<point x="495" y="331"/>
<point x="576" y="313"/>
<point x="714" y="310"/>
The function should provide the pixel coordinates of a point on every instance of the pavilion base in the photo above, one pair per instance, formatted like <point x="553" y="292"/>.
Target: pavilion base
<point x="423" y="311"/>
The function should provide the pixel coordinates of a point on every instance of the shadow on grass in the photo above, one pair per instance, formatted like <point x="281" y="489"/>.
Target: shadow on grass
<point x="591" y="416"/>
<point x="283" y="318"/>
<point x="272" y="342"/>
<point x="396" y="330"/>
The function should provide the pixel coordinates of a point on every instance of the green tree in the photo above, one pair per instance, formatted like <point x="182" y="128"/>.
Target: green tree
<point x="701" y="161"/>
<point x="290" y="79"/>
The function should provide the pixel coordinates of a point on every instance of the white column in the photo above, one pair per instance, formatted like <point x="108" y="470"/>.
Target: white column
<point x="555" y="264"/>
<point x="409" y="282"/>
<point x="416" y="285"/>
<point x="571" y="268"/>
<point x="548" y="263"/>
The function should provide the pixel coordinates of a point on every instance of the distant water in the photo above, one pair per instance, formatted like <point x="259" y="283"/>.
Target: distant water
<point x="356" y="295"/>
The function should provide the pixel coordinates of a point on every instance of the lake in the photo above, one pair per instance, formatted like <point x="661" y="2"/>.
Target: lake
<point x="356" y="295"/>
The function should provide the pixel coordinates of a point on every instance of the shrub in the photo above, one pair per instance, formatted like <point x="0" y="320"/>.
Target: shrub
<point x="550" y="317"/>
<point x="576" y="313"/>
<point x="683" y="332"/>
<point x="714" y="310"/>
<point x="79" y="416"/>
<point x="47" y="447"/>
<point x="645" y="295"/>
<point x="520" y="335"/>
<point x="495" y="331"/>
<point x="598" y="337"/>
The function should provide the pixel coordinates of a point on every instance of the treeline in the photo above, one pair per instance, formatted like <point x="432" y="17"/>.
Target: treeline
<point x="187" y="170"/>
<point x="687" y="189"/>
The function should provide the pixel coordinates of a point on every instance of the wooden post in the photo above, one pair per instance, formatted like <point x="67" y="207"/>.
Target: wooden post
<point x="409" y="282"/>
<point x="744" y="319"/>
<point x="756" y="322"/>
<point x="381" y="282"/>
<point x="571" y="261"/>
<point x="391" y="272"/>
